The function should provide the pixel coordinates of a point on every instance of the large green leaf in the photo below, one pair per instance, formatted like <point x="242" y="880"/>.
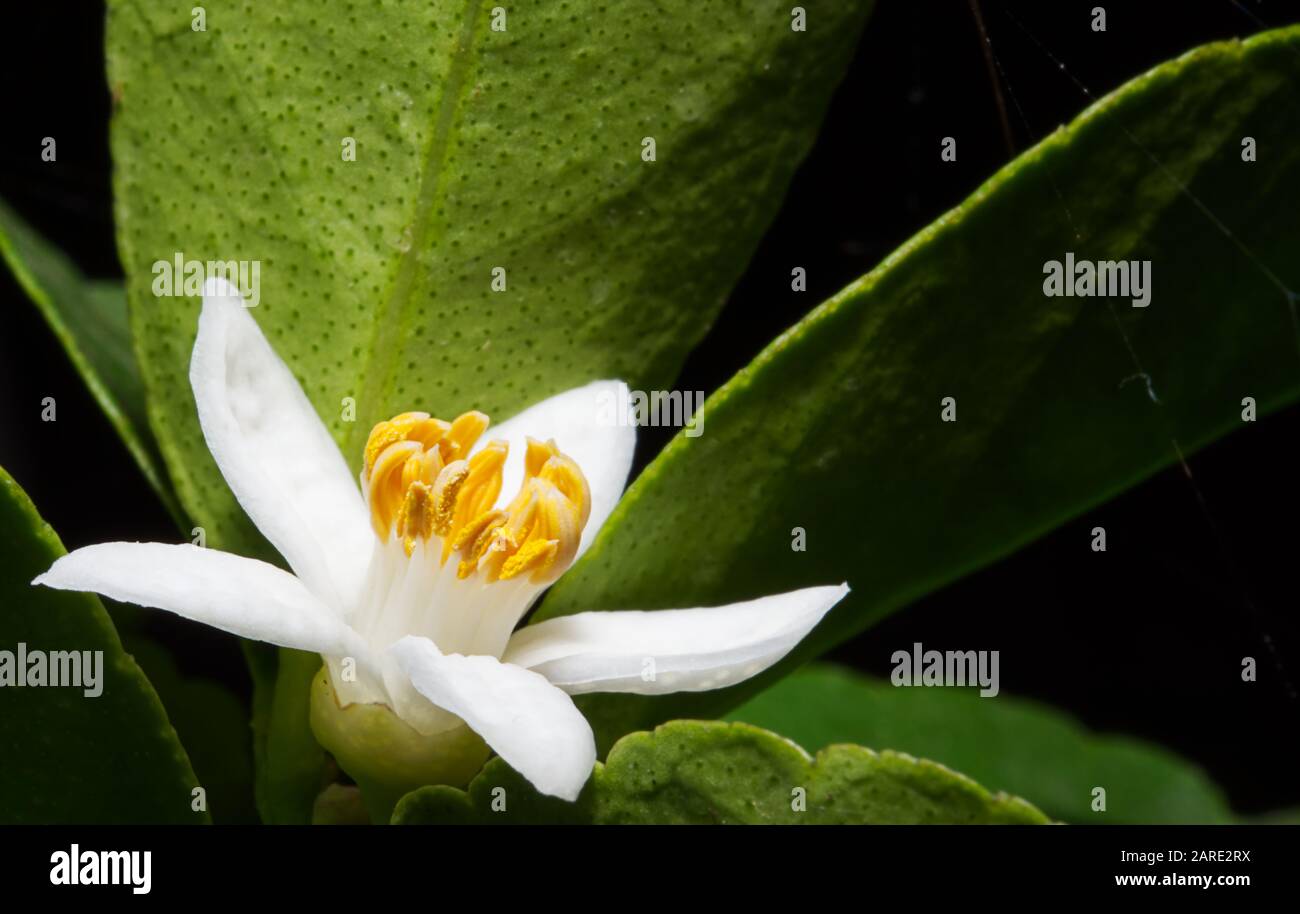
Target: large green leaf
<point x="475" y="149"/>
<point x="89" y="319"/>
<point x="1005" y="743"/>
<point x="836" y="428"/>
<point x="706" y="772"/>
<point x="70" y="757"/>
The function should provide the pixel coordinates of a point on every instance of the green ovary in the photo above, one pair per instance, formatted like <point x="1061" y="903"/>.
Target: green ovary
<point x="385" y="755"/>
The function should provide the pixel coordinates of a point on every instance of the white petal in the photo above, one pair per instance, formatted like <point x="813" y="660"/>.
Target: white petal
<point x="670" y="650"/>
<point x="587" y="425"/>
<point x="530" y="723"/>
<point x="275" y="453"/>
<point x="235" y="594"/>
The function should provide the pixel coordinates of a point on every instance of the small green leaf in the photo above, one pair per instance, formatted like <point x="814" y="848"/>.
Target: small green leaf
<point x="481" y="142"/>
<point x="263" y="664"/>
<point x="89" y="319"/>
<point x="295" y="769"/>
<point x="290" y="767"/>
<point x="1005" y="743"/>
<point x="707" y="772"/>
<point x="837" y="429"/>
<point x="69" y="757"/>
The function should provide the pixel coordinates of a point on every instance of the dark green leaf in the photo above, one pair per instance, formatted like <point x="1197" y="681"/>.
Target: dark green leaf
<point x="69" y="757"/>
<point x="836" y="428"/>
<point x="212" y="725"/>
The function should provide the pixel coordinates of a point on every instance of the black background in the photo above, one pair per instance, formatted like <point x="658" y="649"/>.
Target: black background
<point x="1145" y="639"/>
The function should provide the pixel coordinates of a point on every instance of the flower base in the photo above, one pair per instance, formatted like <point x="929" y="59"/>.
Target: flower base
<point x="385" y="755"/>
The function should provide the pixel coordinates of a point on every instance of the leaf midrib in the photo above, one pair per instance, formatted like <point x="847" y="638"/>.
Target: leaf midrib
<point x="376" y="378"/>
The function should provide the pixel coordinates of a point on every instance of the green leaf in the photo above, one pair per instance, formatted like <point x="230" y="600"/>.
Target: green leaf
<point x="263" y="665"/>
<point x="69" y="757"/>
<point x="707" y="772"/>
<point x="475" y="148"/>
<point x="1005" y="743"/>
<point x="89" y="319"/>
<point x="836" y="428"/>
<point x="212" y="725"/>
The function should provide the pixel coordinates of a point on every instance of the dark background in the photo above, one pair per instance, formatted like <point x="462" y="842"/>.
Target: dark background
<point x="1146" y="639"/>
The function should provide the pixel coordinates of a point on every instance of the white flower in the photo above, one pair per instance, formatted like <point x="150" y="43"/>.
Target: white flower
<point x="412" y="585"/>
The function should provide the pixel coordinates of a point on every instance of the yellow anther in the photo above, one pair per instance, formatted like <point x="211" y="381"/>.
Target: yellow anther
<point x="510" y="534"/>
<point x="430" y="465"/>
<point x="381" y="436"/>
<point x="563" y="472"/>
<point x="445" y="490"/>
<point x="478" y="493"/>
<point x="475" y="538"/>
<point x="395" y="429"/>
<point x="462" y="434"/>
<point x="409" y="448"/>
<point x="412" y="470"/>
<point x="536" y="456"/>
<point x="539" y="514"/>
<point x="423" y="468"/>
<point x="415" y="519"/>
<point x="386" y="486"/>
<point x="429" y="432"/>
<point x="535" y="556"/>
<point x="558" y="520"/>
<point x="523" y="515"/>
<point x="421" y="481"/>
<point x="475" y="533"/>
